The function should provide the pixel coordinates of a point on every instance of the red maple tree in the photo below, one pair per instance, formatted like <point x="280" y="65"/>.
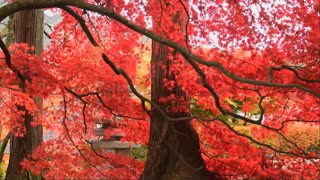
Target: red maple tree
<point x="248" y="70"/>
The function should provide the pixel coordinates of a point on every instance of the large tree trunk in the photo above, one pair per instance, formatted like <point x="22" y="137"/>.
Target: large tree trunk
<point x="174" y="151"/>
<point x="28" y="29"/>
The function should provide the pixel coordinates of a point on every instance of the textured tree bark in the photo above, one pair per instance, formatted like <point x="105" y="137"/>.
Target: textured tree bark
<point x="28" y="28"/>
<point x="174" y="150"/>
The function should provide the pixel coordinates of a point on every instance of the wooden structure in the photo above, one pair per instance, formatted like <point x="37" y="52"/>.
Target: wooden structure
<point x="112" y="143"/>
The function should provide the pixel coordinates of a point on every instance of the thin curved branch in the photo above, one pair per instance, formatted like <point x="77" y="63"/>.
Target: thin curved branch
<point x="111" y="111"/>
<point x="292" y="70"/>
<point x="291" y="142"/>
<point x="261" y="109"/>
<point x="254" y="140"/>
<point x="83" y="108"/>
<point x="187" y="24"/>
<point x="114" y="164"/>
<point x="295" y="120"/>
<point x="82" y="24"/>
<point x="215" y="95"/>
<point x="97" y="94"/>
<point x="70" y="138"/>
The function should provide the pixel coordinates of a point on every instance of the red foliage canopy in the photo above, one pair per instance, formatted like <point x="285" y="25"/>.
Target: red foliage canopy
<point x="252" y="62"/>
